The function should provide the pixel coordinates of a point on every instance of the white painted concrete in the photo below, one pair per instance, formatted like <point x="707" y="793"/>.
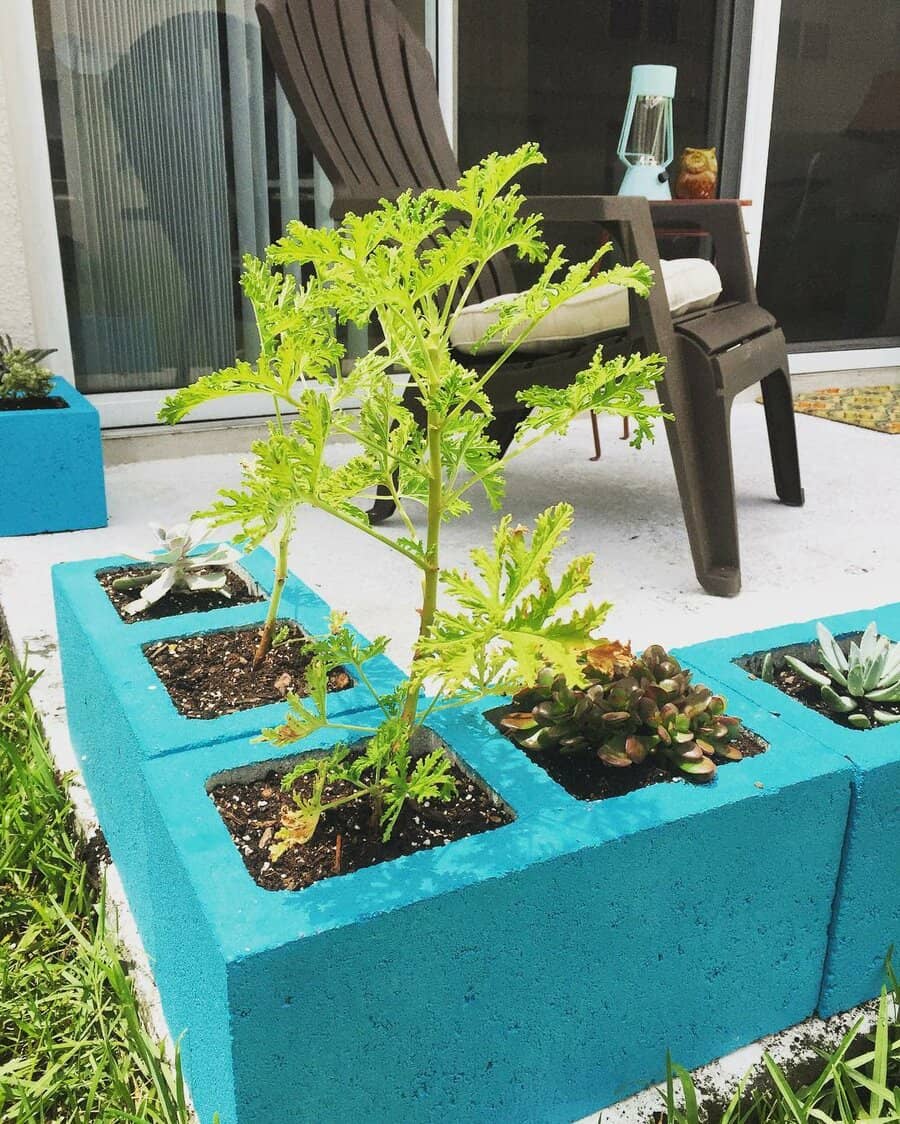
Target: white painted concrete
<point x="840" y="552"/>
<point x="15" y="295"/>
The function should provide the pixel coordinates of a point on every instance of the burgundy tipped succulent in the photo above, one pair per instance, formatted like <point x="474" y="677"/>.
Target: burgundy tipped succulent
<point x="630" y="708"/>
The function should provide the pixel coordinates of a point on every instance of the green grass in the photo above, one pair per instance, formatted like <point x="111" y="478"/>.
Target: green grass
<point x="72" y="1047"/>
<point x="859" y="1081"/>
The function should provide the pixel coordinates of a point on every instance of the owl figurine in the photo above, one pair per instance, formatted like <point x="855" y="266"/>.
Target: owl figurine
<point x="698" y="174"/>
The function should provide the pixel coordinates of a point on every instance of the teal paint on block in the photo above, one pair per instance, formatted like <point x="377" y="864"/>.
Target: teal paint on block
<point x="51" y="465"/>
<point x="122" y="677"/>
<point x="533" y="973"/>
<point x="866" y="914"/>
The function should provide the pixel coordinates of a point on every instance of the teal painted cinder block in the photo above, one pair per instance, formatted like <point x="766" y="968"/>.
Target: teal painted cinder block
<point x="866" y="914"/>
<point x="51" y="466"/>
<point x="533" y="973"/>
<point x="105" y="669"/>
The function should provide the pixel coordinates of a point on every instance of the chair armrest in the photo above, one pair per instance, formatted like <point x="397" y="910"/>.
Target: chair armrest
<point x="722" y="218"/>
<point x="587" y="208"/>
<point x="358" y="204"/>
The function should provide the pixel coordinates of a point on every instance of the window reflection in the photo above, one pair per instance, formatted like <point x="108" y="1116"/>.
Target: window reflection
<point x="829" y="263"/>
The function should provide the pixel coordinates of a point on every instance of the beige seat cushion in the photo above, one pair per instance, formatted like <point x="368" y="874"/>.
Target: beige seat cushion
<point x="691" y="284"/>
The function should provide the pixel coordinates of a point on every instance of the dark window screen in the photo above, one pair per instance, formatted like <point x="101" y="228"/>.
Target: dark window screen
<point x="829" y="264"/>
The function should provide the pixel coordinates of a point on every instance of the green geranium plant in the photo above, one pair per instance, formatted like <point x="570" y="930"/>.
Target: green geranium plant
<point x="412" y="264"/>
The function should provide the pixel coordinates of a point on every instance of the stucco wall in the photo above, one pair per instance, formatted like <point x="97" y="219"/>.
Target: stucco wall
<point x="15" y="296"/>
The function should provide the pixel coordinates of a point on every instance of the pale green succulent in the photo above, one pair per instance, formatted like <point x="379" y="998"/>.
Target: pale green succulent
<point x="869" y="670"/>
<point x="175" y="567"/>
<point x="21" y="375"/>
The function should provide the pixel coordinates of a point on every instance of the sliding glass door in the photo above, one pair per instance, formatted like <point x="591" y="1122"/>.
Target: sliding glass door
<point x="829" y="264"/>
<point x="173" y="153"/>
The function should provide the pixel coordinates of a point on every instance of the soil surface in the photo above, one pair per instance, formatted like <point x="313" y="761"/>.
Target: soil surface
<point x="9" y="405"/>
<point x="802" y="690"/>
<point x="345" y="839"/>
<point x="175" y="602"/>
<point x="211" y="673"/>
<point x="586" y="777"/>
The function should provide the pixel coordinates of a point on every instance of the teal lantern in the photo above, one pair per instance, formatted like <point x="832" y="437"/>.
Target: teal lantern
<point x="645" y="143"/>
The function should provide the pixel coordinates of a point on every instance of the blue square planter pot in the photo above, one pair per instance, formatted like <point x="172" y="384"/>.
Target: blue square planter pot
<point x="532" y="973"/>
<point x="866" y="914"/>
<point x="51" y="465"/>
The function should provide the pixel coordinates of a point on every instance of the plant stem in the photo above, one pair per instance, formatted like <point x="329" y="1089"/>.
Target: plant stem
<point x="432" y="558"/>
<point x="281" y="568"/>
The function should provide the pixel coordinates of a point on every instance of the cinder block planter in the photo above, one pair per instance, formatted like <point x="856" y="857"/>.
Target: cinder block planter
<point x="866" y="916"/>
<point x="51" y="466"/>
<point x="532" y="973"/>
<point x="118" y="710"/>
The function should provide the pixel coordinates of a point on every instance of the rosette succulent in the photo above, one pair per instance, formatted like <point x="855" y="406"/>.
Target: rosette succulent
<point x="869" y="670"/>
<point x="629" y="709"/>
<point x="176" y="567"/>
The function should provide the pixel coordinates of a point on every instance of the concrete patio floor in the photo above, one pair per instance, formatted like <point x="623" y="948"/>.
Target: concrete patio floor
<point x="840" y="552"/>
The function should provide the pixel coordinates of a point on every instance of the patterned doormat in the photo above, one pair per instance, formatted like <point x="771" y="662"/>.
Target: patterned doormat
<point x="872" y="407"/>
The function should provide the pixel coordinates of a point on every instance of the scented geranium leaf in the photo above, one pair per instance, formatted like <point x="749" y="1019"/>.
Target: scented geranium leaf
<point x="299" y="722"/>
<point x="342" y="647"/>
<point x="242" y="378"/>
<point x="298" y="344"/>
<point x="459" y="388"/>
<point x="287" y="469"/>
<point x="466" y="447"/>
<point x="429" y="779"/>
<point x="616" y="386"/>
<point x="509" y="624"/>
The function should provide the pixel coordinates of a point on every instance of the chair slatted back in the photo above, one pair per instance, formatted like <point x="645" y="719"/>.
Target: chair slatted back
<point x="362" y="87"/>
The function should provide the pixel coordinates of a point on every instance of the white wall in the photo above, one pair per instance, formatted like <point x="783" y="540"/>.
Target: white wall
<point x="15" y="296"/>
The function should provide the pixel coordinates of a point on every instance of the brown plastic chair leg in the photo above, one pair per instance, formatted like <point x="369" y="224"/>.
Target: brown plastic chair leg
<point x="595" y="429"/>
<point x="781" y="424"/>
<point x="700" y="443"/>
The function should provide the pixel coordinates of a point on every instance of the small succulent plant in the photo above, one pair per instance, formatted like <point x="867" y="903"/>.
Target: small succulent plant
<point x="869" y="670"/>
<point x="21" y="373"/>
<point x="175" y="567"/>
<point x="630" y="709"/>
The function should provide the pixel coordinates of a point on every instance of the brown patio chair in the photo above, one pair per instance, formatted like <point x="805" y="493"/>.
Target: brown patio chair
<point x="362" y="86"/>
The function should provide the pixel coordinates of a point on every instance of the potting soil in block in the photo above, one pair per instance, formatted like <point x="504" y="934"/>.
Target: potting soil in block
<point x="106" y="665"/>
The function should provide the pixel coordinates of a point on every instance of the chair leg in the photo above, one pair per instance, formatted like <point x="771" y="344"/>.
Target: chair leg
<point x="503" y="428"/>
<point x="383" y="507"/>
<point x="781" y="424"/>
<point x="595" y="429"/>
<point x="700" y="444"/>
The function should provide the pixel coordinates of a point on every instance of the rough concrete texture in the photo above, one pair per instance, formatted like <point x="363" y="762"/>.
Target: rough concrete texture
<point x="120" y="678"/>
<point x="487" y="1026"/>
<point x="51" y="463"/>
<point x="15" y="296"/>
<point x="866" y="914"/>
